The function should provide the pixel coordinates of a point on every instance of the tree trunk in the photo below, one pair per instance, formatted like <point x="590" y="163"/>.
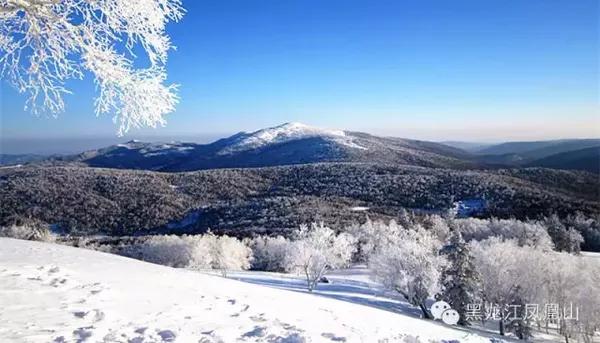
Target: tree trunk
<point x="501" y="327"/>
<point x="308" y="283"/>
<point x="425" y="311"/>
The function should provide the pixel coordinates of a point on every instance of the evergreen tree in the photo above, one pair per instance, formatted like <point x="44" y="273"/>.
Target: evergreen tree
<point x="460" y="278"/>
<point x="515" y="312"/>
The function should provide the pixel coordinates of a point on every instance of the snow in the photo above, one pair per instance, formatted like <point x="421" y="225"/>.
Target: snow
<point x="63" y="294"/>
<point x="359" y="208"/>
<point x="156" y="149"/>
<point x="164" y="149"/>
<point x="589" y="254"/>
<point x="288" y="132"/>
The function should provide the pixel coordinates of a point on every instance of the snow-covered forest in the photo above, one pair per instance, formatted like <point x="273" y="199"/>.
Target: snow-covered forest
<point x="492" y="266"/>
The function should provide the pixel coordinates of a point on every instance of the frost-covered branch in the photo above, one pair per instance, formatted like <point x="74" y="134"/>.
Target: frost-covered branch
<point x="44" y="43"/>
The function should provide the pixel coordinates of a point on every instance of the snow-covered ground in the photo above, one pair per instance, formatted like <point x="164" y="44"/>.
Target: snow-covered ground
<point x="54" y="293"/>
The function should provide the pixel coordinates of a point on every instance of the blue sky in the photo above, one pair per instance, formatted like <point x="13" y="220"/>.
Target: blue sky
<point x="461" y="70"/>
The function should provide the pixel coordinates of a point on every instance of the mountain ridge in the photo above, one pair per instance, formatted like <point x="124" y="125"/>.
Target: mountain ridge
<point x="297" y="143"/>
<point x="286" y="144"/>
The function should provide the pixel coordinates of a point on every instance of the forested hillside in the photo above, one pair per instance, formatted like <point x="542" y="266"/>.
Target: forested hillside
<point x="92" y="200"/>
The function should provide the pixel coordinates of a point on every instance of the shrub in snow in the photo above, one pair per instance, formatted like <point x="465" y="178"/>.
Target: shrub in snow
<point x="171" y="250"/>
<point x="409" y="263"/>
<point x="27" y="232"/>
<point x="45" y="43"/>
<point x="316" y="249"/>
<point x="269" y="253"/>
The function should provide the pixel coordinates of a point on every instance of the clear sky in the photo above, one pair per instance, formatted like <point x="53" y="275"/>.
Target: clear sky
<point x="440" y="70"/>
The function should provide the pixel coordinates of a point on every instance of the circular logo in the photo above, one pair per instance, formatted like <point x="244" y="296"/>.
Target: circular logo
<point x="450" y="317"/>
<point x="438" y="308"/>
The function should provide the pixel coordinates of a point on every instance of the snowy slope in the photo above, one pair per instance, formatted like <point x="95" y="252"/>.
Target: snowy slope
<point x="63" y="294"/>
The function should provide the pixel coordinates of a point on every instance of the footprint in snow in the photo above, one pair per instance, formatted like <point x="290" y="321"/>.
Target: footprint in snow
<point x="293" y="338"/>
<point x="167" y="335"/>
<point x="258" y="318"/>
<point x="333" y="337"/>
<point x="258" y="331"/>
<point x="58" y="282"/>
<point x="95" y="288"/>
<point x="288" y="327"/>
<point x="95" y="315"/>
<point x="80" y="314"/>
<point x="212" y="337"/>
<point x="83" y="333"/>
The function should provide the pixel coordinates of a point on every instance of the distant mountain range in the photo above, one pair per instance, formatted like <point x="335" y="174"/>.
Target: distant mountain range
<point x="575" y="154"/>
<point x="287" y="144"/>
<point x="12" y="159"/>
<point x="296" y="143"/>
<point x="582" y="159"/>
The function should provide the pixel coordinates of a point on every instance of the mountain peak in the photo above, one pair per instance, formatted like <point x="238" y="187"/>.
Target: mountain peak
<point x="294" y="130"/>
<point x="280" y="134"/>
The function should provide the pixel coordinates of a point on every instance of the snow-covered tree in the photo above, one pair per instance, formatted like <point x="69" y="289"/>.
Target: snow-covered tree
<point x="371" y="235"/>
<point x="459" y="278"/>
<point x="30" y="232"/>
<point x="572" y="285"/>
<point x="409" y="263"/>
<point x="525" y="233"/>
<point x="565" y="239"/>
<point x="44" y="43"/>
<point x="227" y="253"/>
<point x="586" y="298"/>
<point x="269" y="253"/>
<point x="316" y="249"/>
<point x="510" y="273"/>
<point x="438" y="226"/>
<point x="589" y="229"/>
